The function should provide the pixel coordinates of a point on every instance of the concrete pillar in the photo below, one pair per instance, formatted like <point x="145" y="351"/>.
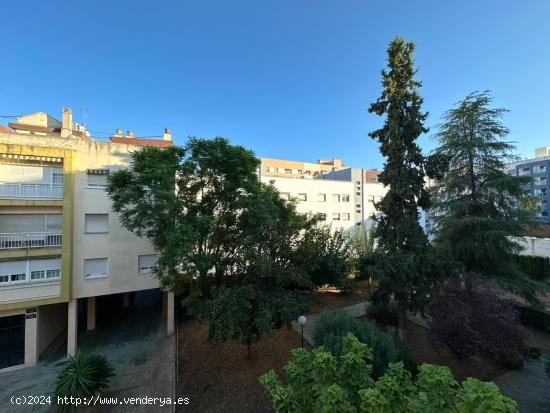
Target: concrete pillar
<point x="126" y="300"/>
<point x="169" y="313"/>
<point x="72" y="327"/>
<point x="164" y="302"/>
<point x="31" y="338"/>
<point x="90" y="321"/>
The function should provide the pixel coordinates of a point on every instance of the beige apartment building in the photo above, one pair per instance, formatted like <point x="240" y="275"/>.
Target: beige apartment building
<point x="60" y="242"/>
<point x="294" y="169"/>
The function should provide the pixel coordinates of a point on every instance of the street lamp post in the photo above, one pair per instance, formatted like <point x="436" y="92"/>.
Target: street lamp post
<point x="302" y="320"/>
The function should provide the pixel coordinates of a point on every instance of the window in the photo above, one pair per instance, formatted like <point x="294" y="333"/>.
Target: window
<point x="321" y="197"/>
<point x="300" y="172"/>
<point x="288" y="171"/>
<point x="345" y="198"/>
<point x="17" y="277"/>
<point x="146" y="263"/>
<point x="302" y="197"/>
<point x="357" y="182"/>
<point x="358" y="193"/>
<point x="539" y="180"/>
<point x="96" y="223"/>
<point x="95" y="267"/>
<point x="370" y="198"/>
<point x="285" y="195"/>
<point x="322" y="216"/>
<point x="345" y="216"/>
<point x="38" y="275"/>
<point x="97" y="181"/>
<point x="336" y="216"/>
<point x="57" y="178"/>
<point x="335" y="197"/>
<point x="539" y="169"/>
<point x="53" y="273"/>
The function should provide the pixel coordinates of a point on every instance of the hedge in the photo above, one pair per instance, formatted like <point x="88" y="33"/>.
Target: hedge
<point x="537" y="268"/>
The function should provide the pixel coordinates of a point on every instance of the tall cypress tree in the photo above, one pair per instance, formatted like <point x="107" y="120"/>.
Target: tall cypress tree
<point x="402" y="264"/>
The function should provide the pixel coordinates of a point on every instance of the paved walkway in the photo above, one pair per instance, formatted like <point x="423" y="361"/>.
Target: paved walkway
<point x="530" y="387"/>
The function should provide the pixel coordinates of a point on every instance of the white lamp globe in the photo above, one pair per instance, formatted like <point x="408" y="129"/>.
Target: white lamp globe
<point x="302" y="320"/>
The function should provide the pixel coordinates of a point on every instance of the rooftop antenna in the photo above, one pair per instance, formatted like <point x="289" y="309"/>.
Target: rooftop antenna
<point x="84" y="113"/>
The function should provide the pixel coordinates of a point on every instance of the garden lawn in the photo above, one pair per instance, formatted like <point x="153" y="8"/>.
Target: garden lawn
<point x="220" y="377"/>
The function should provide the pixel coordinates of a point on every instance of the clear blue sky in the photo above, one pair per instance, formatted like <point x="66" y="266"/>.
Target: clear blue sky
<point x="288" y="79"/>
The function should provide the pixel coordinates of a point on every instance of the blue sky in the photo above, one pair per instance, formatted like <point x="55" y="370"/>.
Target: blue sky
<point x="288" y="79"/>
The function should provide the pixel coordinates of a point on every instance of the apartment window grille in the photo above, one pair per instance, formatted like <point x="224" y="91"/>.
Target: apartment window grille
<point x="302" y="197"/>
<point x="335" y="197"/>
<point x="336" y="216"/>
<point x="345" y="198"/>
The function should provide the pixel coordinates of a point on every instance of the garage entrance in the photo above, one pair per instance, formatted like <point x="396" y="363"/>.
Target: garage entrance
<point x="12" y="341"/>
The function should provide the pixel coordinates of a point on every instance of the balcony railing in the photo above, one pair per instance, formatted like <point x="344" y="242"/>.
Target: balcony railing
<point x="29" y="240"/>
<point x="30" y="191"/>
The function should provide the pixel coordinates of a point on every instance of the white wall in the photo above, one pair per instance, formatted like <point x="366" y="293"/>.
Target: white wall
<point x="313" y="187"/>
<point x="535" y="246"/>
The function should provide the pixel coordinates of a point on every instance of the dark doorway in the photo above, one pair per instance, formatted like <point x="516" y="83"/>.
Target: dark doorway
<point x="12" y="341"/>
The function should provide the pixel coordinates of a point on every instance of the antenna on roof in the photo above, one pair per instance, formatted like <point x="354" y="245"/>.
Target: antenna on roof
<point x="84" y="113"/>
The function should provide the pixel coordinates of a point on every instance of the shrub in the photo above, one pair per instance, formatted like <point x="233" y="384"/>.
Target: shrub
<point x="533" y="317"/>
<point x="547" y="366"/>
<point x="383" y="313"/>
<point x="332" y="327"/>
<point x="510" y="359"/>
<point x="472" y="320"/>
<point x="86" y="375"/>
<point x="537" y="268"/>
<point x="318" y="381"/>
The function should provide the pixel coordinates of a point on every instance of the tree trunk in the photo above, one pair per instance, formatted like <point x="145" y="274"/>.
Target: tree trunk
<point x="402" y="316"/>
<point x="248" y="351"/>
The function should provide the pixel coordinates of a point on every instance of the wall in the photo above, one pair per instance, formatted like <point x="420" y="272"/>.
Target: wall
<point x="52" y="321"/>
<point x="313" y="187"/>
<point x="535" y="246"/>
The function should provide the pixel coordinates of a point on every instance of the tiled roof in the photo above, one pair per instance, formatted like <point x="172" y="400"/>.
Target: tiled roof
<point x="159" y="143"/>
<point x="5" y="129"/>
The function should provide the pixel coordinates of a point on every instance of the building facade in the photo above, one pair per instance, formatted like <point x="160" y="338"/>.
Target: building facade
<point x="60" y="242"/>
<point x="539" y="169"/>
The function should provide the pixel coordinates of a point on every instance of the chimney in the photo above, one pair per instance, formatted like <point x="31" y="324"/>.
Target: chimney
<point x="167" y="136"/>
<point x="66" y="123"/>
<point x="129" y="134"/>
<point x="118" y="132"/>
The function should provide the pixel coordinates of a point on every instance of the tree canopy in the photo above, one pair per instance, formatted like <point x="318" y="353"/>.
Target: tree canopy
<point x="402" y="261"/>
<point x="476" y="211"/>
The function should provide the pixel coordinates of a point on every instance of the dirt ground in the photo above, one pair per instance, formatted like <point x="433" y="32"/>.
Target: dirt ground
<point x="220" y="378"/>
<point x="329" y="298"/>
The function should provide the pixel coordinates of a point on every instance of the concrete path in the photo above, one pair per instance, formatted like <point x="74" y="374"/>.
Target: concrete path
<point x="530" y="387"/>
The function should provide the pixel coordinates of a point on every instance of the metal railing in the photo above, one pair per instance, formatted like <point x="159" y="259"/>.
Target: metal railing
<point x="30" y="191"/>
<point x="29" y="240"/>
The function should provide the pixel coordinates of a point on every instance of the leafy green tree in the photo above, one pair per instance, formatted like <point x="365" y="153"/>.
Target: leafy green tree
<point x="402" y="261"/>
<point x="361" y="242"/>
<point x="476" y="210"/>
<point x="321" y="382"/>
<point x="217" y="227"/>
<point x="327" y="255"/>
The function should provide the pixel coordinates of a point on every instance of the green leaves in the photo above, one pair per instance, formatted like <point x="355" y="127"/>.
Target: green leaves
<point x="321" y="382"/>
<point x="86" y="375"/>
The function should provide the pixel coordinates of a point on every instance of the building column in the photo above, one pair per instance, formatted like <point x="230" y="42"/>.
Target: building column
<point x="72" y="327"/>
<point x="169" y="312"/>
<point x="126" y="300"/>
<point x="90" y="321"/>
<point x="31" y="338"/>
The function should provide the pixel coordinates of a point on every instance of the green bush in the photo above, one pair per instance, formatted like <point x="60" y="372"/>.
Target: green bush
<point x="318" y="381"/>
<point x="533" y="317"/>
<point x="383" y="313"/>
<point x="86" y="375"/>
<point x="333" y="326"/>
<point x="537" y="268"/>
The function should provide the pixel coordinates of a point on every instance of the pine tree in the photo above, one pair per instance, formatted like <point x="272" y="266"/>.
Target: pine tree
<point x="403" y="264"/>
<point x="478" y="206"/>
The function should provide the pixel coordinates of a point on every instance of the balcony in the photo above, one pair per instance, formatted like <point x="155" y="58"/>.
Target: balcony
<point x="21" y="190"/>
<point x="29" y="240"/>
